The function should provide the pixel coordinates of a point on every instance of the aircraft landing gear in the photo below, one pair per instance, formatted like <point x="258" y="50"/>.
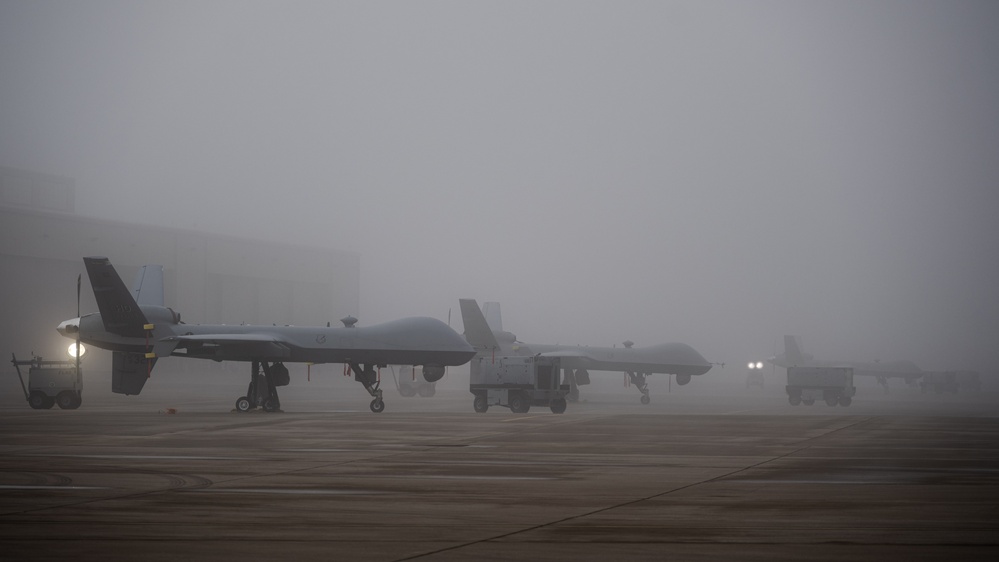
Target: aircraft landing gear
<point x="369" y="379"/>
<point x="569" y="378"/>
<point x="575" y="378"/>
<point x="242" y="404"/>
<point x="262" y="391"/>
<point x="639" y="380"/>
<point x="883" y="381"/>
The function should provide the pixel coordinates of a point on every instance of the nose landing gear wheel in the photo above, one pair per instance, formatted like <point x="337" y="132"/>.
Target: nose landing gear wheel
<point x="646" y="399"/>
<point x="377" y="406"/>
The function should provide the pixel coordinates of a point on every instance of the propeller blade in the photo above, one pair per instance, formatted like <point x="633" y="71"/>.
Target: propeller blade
<point x="773" y="365"/>
<point x="78" y="280"/>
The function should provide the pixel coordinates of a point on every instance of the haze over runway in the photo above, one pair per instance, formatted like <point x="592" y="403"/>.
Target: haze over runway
<point x="716" y="173"/>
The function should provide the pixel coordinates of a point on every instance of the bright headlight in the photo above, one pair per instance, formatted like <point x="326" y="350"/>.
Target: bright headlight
<point x="752" y="365"/>
<point x="72" y="350"/>
<point x="759" y="364"/>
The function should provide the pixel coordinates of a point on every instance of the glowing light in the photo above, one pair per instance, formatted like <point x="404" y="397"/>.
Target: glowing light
<point x="752" y="365"/>
<point x="72" y="350"/>
<point x="759" y="364"/>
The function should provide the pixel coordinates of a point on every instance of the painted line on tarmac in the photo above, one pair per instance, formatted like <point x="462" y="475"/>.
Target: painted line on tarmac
<point x="150" y="457"/>
<point x="292" y="491"/>
<point x="4" y="487"/>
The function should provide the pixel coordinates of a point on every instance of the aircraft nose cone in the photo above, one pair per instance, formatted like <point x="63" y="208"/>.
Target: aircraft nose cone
<point x="69" y="328"/>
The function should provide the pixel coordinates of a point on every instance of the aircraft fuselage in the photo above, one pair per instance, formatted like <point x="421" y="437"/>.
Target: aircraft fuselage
<point x="667" y="358"/>
<point x="408" y="341"/>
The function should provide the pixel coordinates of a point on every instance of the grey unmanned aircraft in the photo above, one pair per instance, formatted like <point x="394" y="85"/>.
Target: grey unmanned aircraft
<point x="880" y="370"/>
<point x="138" y="329"/>
<point x="488" y="337"/>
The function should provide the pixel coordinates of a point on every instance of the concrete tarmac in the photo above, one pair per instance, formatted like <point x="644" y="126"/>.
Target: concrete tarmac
<point x="696" y="476"/>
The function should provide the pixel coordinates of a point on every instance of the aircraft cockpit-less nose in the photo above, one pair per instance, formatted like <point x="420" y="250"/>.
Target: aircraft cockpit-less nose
<point x="69" y="328"/>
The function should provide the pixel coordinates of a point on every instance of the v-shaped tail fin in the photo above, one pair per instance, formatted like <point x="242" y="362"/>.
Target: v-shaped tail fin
<point x="792" y="352"/>
<point x="119" y="311"/>
<point x="477" y="330"/>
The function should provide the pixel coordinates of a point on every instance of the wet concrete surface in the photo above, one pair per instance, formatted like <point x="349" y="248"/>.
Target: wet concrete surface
<point x="699" y="476"/>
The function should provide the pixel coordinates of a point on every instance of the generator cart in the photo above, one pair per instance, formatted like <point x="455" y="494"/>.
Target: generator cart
<point x="517" y="383"/>
<point x="51" y="383"/>
<point x="832" y="384"/>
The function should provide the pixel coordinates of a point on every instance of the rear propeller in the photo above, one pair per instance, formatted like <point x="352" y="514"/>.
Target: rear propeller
<point x="78" y="321"/>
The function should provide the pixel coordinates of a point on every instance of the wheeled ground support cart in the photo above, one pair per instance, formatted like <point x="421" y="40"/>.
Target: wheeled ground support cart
<point x="517" y="383"/>
<point x="832" y="384"/>
<point x="51" y="383"/>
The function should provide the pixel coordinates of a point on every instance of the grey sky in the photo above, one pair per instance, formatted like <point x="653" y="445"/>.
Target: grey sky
<point x="717" y="173"/>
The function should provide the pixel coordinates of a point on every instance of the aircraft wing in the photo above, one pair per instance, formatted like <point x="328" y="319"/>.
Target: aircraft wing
<point x="253" y="345"/>
<point x="226" y="338"/>
<point x="566" y="353"/>
<point x="580" y="356"/>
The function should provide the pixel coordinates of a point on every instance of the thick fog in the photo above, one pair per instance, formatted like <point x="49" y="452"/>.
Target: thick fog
<point x="714" y="173"/>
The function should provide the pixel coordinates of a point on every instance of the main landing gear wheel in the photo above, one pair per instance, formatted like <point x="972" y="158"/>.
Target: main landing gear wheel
<point x="262" y="390"/>
<point x="271" y="404"/>
<point x="242" y="404"/>
<point x="377" y="405"/>
<point x="645" y="399"/>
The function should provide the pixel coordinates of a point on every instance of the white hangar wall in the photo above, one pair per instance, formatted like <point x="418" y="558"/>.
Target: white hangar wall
<point x="208" y="278"/>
